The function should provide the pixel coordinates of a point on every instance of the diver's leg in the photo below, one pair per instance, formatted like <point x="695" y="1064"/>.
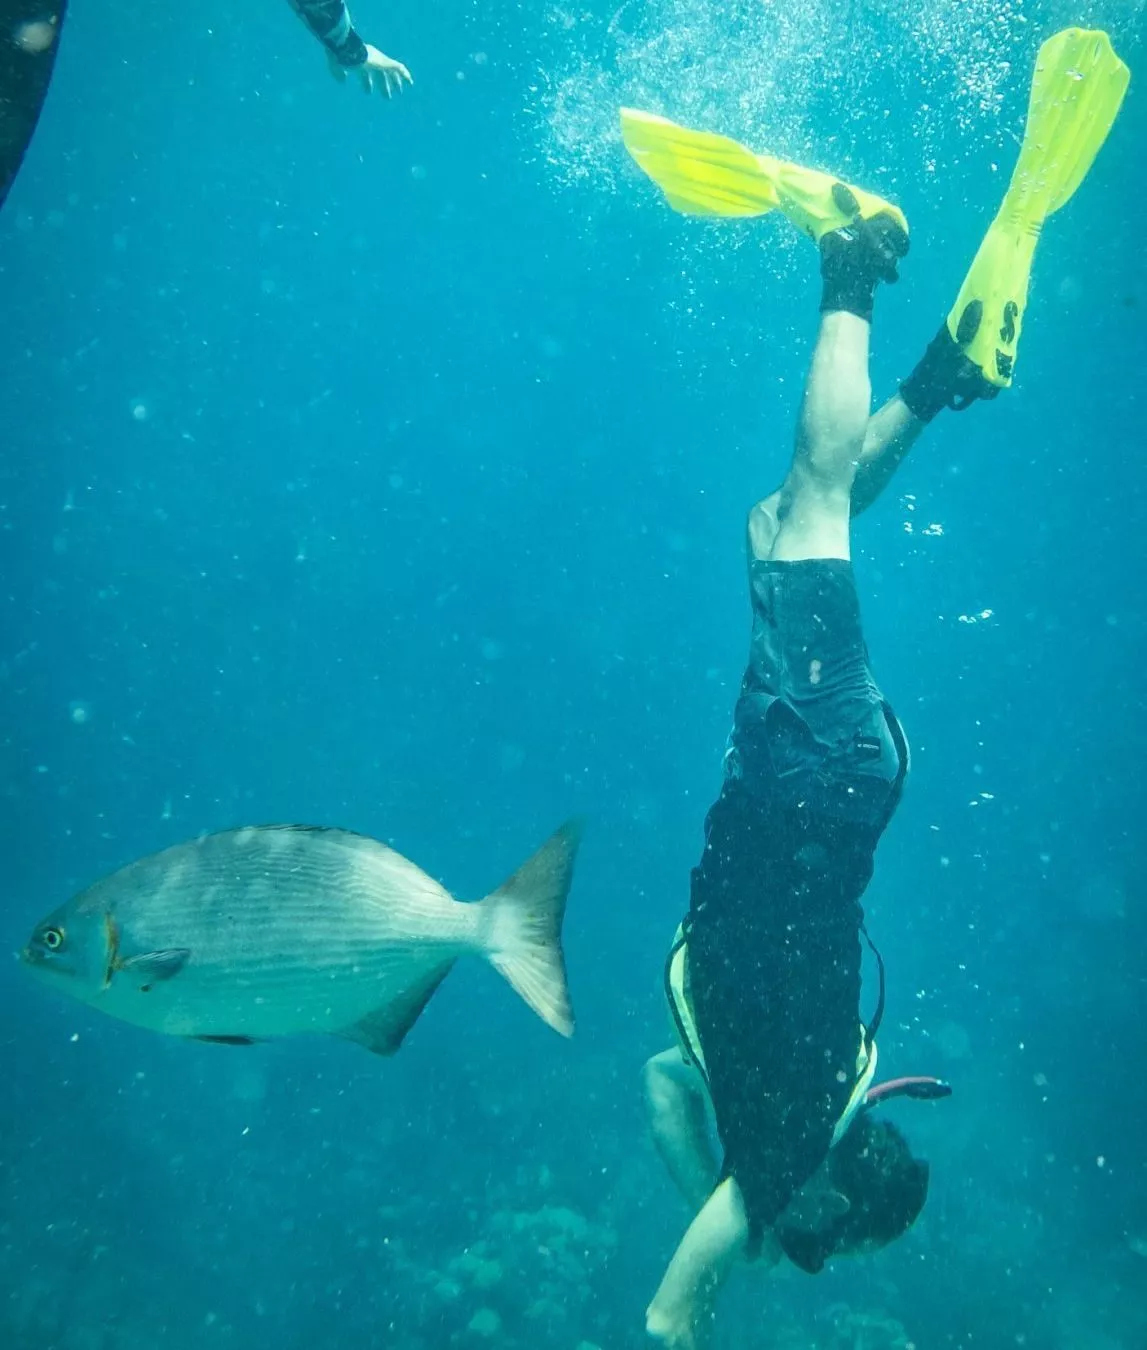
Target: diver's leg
<point x="815" y="504"/>
<point x="814" y="508"/>
<point x="682" y="1309"/>
<point x="677" y="1104"/>
<point x="892" y="431"/>
<point x="943" y="378"/>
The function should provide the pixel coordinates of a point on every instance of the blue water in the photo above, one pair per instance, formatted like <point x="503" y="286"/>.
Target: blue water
<point x="386" y="466"/>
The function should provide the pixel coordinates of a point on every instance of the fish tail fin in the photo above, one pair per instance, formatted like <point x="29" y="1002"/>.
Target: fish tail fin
<point x="523" y="930"/>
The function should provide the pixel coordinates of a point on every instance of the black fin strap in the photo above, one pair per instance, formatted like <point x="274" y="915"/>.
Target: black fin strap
<point x="945" y="377"/>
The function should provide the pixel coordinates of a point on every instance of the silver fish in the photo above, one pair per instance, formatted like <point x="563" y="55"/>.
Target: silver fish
<point x="276" y="930"/>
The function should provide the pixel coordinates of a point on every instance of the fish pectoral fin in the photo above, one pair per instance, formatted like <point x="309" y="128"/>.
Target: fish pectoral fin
<point x="153" y="967"/>
<point x="226" y="1040"/>
<point x="384" y="1030"/>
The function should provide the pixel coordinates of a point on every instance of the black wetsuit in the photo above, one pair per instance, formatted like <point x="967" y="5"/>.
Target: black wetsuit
<point x="330" y="22"/>
<point x="29" y="34"/>
<point x="813" y="774"/>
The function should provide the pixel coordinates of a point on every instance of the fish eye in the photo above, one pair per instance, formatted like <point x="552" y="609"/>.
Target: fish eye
<point x="52" y="938"/>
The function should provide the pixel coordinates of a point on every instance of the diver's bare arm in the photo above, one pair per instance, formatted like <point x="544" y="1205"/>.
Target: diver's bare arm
<point x="892" y="432"/>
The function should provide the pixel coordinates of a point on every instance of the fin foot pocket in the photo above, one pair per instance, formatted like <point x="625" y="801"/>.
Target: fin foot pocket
<point x="945" y="377"/>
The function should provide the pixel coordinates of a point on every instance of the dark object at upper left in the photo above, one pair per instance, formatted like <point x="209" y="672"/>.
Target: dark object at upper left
<point x="29" y="36"/>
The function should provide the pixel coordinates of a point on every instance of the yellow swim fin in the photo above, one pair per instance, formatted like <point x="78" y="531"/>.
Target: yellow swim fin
<point x="1076" y="92"/>
<point x="701" y="173"/>
<point x="704" y="174"/>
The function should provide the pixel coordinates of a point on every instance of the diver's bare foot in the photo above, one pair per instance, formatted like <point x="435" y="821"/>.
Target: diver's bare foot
<point x="674" y="1332"/>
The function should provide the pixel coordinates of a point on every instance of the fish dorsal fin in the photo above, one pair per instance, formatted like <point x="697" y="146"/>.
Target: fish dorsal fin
<point x="384" y="1030"/>
<point x="334" y="831"/>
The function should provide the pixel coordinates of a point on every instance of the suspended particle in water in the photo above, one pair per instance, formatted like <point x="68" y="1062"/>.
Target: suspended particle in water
<point x="1070" y="290"/>
<point x="511" y="757"/>
<point x="139" y="410"/>
<point x="79" y="711"/>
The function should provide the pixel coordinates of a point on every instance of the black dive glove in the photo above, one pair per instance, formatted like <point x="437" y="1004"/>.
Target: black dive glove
<point x="944" y="378"/>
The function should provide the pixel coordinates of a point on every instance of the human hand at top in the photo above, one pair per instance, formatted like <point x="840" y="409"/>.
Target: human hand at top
<point x="378" y="71"/>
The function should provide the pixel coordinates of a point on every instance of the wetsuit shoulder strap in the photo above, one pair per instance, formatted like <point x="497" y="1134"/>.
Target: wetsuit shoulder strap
<point x="903" y="763"/>
<point x="877" y="1017"/>
<point x="683" y="1033"/>
<point x="904" y="757"/>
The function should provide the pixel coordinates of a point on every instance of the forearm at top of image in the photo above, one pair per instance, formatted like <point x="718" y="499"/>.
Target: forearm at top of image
<point x="330" y="22"/>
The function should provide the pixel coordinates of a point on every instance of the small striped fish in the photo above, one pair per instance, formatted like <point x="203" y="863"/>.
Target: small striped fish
<point x="278" y="930"/>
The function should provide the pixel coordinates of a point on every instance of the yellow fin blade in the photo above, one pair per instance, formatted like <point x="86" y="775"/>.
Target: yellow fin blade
<point x="701" y="173"/>
<point x="1076" y="94"/>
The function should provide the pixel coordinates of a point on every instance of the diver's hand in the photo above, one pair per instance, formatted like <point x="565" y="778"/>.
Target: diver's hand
<point x="378" y="71"/>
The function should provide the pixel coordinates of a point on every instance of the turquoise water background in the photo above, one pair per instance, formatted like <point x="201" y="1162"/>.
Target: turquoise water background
<point x="386" y="466"/>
